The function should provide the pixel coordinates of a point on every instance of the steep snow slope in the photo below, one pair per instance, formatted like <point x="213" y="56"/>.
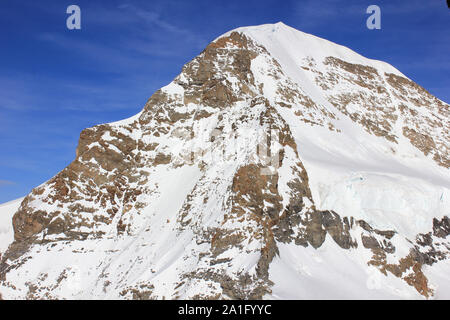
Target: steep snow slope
<point x="276" y="165"/>
<point x="388" y="185"/>
<point x="7" y="211"/>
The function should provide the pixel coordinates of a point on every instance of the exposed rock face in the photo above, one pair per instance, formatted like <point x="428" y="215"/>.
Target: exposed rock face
<point x="427" y="250"/>
<point x="193" y="197"/>
<point x="382" y="101"/>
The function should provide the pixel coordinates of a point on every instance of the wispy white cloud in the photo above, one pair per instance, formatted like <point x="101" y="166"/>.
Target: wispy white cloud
<point x="137" y="44"/>
<point x="137" y="30"/>
<point x="411" y="6"/>
<point x="153" y="19"/>
<point x="5" y="183"/>
<point x="313" y="13"/>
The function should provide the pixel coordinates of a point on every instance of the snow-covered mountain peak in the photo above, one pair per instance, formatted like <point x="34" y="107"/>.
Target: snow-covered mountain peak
<point x="274" y="165"/>
<point x="287" y="43"/>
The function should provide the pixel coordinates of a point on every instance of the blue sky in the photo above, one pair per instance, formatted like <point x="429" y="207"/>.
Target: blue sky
<point x="54" y="82"/>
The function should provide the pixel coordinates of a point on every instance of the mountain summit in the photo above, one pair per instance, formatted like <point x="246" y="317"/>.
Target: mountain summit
<point x="275" y="165"/>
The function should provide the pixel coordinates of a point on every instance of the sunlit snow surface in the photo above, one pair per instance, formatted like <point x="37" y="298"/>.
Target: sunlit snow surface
<point x="392" y="187"/>
<point x="355" y="174"/>
<point x="7" y="211"/>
